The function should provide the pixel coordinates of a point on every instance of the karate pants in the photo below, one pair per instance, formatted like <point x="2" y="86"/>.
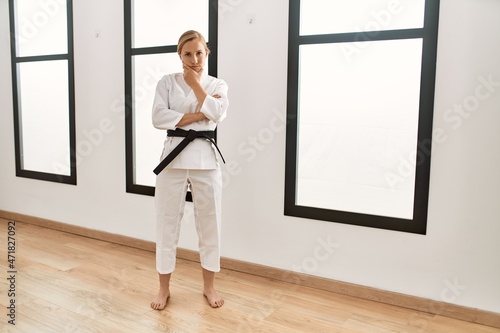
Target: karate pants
<point x="170" y="199"/>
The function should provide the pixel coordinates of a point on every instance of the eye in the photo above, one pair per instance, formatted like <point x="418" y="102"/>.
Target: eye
<point x="187" y="54"/>
<point x="199" y="53"/>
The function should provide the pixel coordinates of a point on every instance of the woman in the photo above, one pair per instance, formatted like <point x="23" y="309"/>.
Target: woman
<point x="189" y="105"/>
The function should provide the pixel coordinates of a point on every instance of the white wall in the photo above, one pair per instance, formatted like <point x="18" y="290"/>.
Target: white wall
<point x="457" y="261"/>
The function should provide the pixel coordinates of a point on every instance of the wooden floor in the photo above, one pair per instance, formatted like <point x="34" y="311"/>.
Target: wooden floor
<point x="68" y="283"/>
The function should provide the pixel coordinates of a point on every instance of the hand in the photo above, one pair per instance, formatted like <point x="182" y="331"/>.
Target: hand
<point x="191" y="76"/>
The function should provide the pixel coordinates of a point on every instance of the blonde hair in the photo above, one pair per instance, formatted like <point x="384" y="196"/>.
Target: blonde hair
<point x="189" y="36"/>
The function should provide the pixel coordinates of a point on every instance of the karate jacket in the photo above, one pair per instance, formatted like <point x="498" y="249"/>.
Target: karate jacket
<point x="173" y="99"/>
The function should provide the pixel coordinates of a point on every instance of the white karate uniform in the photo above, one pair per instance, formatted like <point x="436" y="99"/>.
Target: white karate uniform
<point x="196" y="166"/>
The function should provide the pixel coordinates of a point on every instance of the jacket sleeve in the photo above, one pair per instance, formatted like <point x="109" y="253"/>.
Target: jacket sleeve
<point x="163" y="117"/>
<point x="213" y="108"/>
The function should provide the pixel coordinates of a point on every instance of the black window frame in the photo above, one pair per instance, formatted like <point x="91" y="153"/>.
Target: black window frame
<point x="429" y="35"/>
<point x="131" y="187"/>
<point x="15" y="60"/>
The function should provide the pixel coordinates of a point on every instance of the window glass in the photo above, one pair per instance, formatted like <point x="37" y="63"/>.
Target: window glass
<point x="326" y="16"/>
<point x="161" y="22"/>
<point x="152" y="30"/>
<point x="147" y="71"/>
<point x="43" y="87"/>
<point x="361" y="80"/>
<point x="365" y="120"/>
<point x="41" y="27"/>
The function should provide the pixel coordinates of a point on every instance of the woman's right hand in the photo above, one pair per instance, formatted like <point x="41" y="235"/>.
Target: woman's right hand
<point x="191" y="76"/>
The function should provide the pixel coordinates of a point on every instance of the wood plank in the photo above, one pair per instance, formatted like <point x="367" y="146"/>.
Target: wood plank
<point x="65" y="280"/>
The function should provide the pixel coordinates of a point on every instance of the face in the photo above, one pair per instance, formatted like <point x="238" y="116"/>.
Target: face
<point x="193" y="54"/>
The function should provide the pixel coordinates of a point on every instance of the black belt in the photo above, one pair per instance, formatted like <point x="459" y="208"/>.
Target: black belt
<point x="188" y="137"/>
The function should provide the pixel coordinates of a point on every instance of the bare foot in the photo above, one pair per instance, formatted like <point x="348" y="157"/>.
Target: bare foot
<point x="213" y="298"/>
<point x="161" y="300"/>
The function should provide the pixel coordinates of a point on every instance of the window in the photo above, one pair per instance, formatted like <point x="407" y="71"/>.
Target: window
<point x="152" y="28"/>
<point x="43" y="89"/>
<point x="360" y="105"/>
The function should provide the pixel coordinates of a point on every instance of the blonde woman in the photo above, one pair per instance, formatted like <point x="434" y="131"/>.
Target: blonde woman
<point x="189" y="105"/>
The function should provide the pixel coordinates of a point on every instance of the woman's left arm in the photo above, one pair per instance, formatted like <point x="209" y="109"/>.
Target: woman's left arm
<point x="214" y="107"/>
